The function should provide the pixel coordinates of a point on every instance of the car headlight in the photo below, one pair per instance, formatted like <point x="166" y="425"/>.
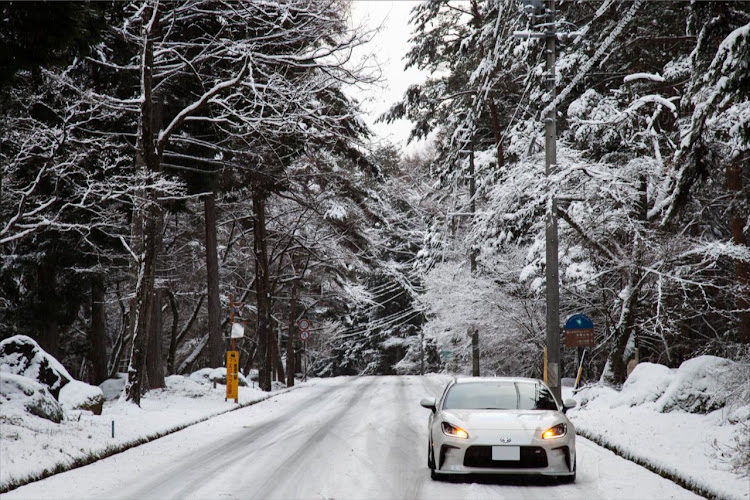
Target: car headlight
<point x="555" y="432"/>
<point x="453" y="431"/>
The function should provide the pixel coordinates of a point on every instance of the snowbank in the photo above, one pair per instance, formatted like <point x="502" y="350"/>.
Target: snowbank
<point x="217" y="375"/>
<point x="654" y="421"/>
<point x="32" y="448"/>
<point x="697" y="386"/>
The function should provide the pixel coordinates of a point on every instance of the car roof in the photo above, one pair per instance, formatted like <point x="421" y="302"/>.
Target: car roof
<point x="469" y="380"/>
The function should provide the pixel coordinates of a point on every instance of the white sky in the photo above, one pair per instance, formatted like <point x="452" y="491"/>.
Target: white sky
<point x="389" y="48"/>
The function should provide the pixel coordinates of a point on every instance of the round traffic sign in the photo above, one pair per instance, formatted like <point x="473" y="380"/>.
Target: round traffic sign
<point x="304" y="324"/>
<point x="304" y="335"/>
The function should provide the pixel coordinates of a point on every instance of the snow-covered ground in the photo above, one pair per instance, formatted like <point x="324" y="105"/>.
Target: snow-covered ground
<point x="345" y="437"/>
<point x="31" y="447"/>
<point x="631" y="421"/>
<point x="647" y="422"/>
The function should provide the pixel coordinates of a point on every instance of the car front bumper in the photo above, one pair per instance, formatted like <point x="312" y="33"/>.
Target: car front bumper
<point x="555" y="457"/>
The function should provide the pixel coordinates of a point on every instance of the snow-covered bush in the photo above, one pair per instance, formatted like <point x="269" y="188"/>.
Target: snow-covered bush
<point x="599" y="395"/>
<point x="77" y="395"/>
<point x="646" y="383"/>
<point x="21" y="355"/>
<point x="201" y="375"/>
<point x="184" y="386"/>
<point x="19" y="395"/>
<point x="217" y="375"/>
<point x="697" y="387"/>
<point x="736" y="392"/>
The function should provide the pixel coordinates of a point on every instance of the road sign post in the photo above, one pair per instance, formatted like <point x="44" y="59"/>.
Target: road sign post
<point x="304" y="335"/>
<point x="579" y="331"/>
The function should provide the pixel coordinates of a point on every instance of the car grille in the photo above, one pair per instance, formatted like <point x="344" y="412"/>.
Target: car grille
<point x="481" y="456"/>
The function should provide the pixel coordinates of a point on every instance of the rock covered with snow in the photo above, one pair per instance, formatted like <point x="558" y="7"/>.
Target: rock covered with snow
<point x="113" y="387"/>
<point x="697" y="387"/>
<point x="21" y="355"/>
<point x="77" y="395"/>
<point x="19" y="395"/>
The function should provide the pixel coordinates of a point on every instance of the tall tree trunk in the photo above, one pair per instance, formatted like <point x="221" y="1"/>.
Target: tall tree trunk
<point x="272" y="348"/>
<point x="497" y="133"/>
<point x="623" y="332"/>
<point x="278" y="365"/>
<point x="49" y="330"/>
<point x="98" y="331"/>
<point x="154" y="364"/>
<point x="142" y="312"/>
<point x="291" y="332"/>
<point x="146" y="156"/>
<point x="216" y="345"/>
<point x="177" y="338"/>
<point x="741" y="267"/>
<point x="262" y="289"/>
<point x="625" y="328"/>
<point x="250" y="358"/>
<point x="173" y="334"/>
<point x="122" y="339"/>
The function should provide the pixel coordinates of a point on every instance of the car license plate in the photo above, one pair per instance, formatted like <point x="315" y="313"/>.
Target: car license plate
<point x="506" y="453"/>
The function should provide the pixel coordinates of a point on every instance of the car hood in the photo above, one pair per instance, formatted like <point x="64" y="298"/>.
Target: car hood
<point x="503" y="419"/>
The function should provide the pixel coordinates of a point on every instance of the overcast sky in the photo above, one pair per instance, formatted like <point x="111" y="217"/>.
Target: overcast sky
<point x="389" y="47"/>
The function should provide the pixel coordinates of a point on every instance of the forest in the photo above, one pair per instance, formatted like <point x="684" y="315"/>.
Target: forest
<point x="161" y="160"/>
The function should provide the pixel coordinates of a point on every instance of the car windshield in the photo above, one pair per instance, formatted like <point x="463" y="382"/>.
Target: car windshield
<point x="499" y="396"/>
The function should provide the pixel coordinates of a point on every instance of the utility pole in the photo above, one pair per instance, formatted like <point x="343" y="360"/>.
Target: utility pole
<point x="552" y="354"/>
<point x="473" y="262"/>
<point x="421" y="352"/>
<point x="550" y="165"/>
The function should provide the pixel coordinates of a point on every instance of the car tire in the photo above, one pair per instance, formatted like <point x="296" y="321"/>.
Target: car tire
<point x="431" y="462"/>
<point x="568" y="479"/>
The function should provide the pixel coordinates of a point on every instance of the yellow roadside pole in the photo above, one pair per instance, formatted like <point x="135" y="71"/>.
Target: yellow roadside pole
<point x="233" y="356"/>
<point x="232" y="370"/>
<point x="578" y="377"/>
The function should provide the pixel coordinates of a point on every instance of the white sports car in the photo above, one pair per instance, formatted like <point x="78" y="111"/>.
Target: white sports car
<point x="500" y="426"/>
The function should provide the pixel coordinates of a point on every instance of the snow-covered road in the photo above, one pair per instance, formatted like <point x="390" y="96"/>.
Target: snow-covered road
<point x="361" y="437"/>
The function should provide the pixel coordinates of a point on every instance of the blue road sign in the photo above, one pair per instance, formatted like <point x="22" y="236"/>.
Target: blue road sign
<point x="579" y="322"/>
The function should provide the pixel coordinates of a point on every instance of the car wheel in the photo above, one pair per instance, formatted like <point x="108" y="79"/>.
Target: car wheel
<point x="568" y="479"/>
<point x="431" y="462"/>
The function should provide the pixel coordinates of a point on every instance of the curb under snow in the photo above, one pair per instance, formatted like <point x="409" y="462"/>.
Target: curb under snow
<point x="110" y="450"/>
<point x="665" y="472"/>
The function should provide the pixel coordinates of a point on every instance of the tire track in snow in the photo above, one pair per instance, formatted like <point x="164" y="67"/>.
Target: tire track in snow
<point x="209" y="461"/>
<point x="410" y="452"/>
<point x="305" y="451"/>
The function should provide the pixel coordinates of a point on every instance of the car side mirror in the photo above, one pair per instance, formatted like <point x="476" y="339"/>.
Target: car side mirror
<point x="568" y="404"/>
<point x="429" y="403"/>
